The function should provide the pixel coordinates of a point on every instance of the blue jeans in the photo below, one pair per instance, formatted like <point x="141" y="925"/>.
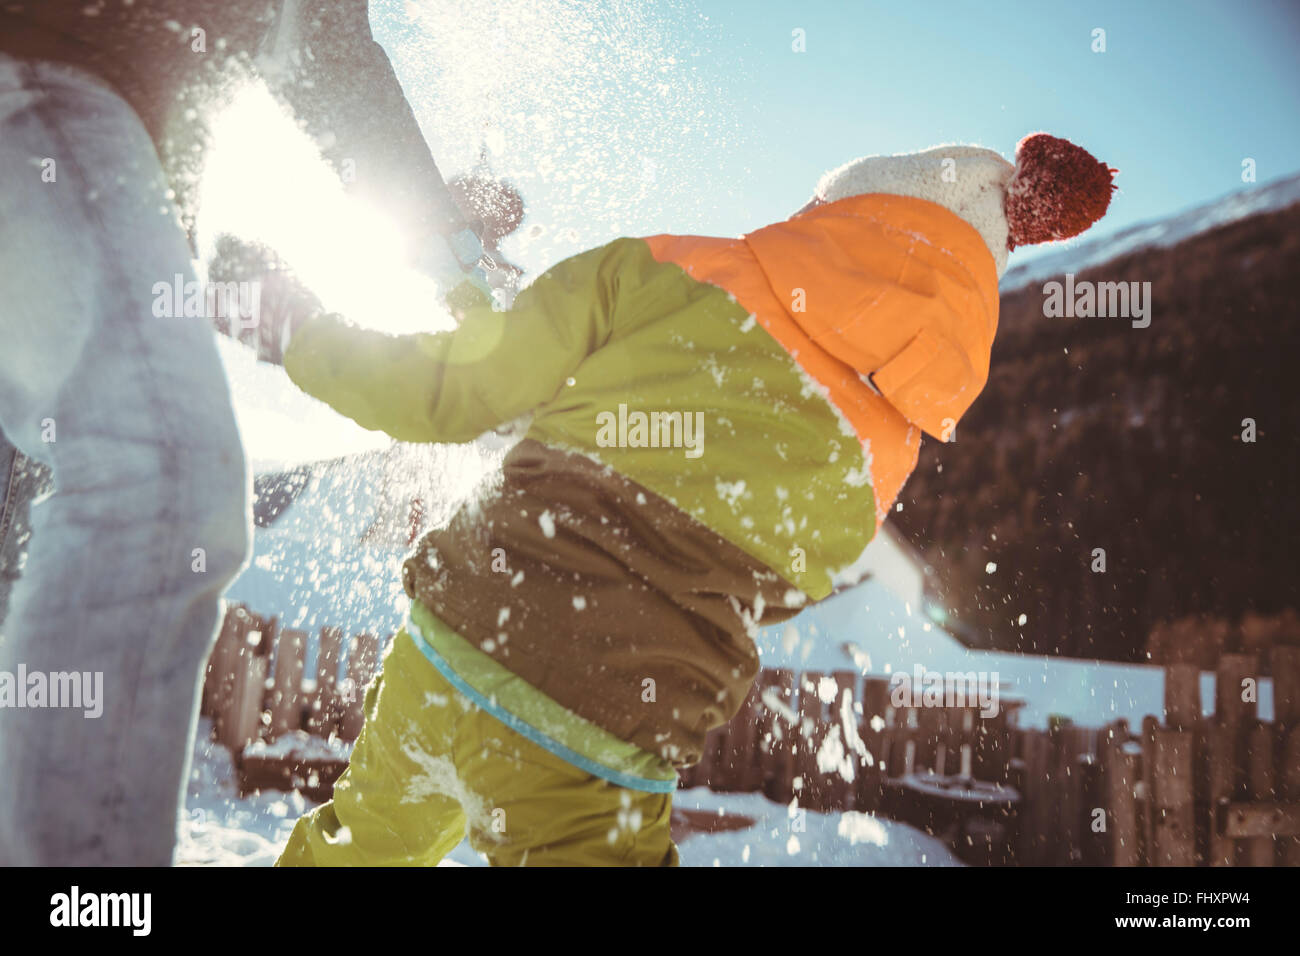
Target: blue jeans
<point x="147" y="522"/>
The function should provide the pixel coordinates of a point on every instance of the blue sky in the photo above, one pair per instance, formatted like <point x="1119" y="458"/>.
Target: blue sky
<point x="629" y="117"/>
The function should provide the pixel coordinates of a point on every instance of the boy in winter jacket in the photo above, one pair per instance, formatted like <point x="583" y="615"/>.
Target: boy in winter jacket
<point x="719" y="427"/>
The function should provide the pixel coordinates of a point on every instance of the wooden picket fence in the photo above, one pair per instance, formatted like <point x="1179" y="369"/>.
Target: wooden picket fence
<point x="793" y="722"/>
<point x="275" y="722"/>
<point x="1219" y="790"/>
<point x="801" y="737"/>
<point x="1193" y="790"/>
<point x="256" y="693"/>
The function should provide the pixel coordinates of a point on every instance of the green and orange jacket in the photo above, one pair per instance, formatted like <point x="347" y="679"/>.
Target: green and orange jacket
<point x="815" y="352"/>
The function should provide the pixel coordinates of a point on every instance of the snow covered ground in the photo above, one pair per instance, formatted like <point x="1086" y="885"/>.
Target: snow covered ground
<point x="220" y="828"/>
<point x="826" y="839"/>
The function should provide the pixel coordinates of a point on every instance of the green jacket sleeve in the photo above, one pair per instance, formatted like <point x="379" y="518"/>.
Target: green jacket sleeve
<point x="453" y="386"/>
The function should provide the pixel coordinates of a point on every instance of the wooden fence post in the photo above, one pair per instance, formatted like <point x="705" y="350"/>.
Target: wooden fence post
<point x="1036" y="794"/>
<point x="722" y="758"/>
<point x="1232" y="711"/>
<point x="929" y="737"/>
<point x="841" y="792"/>
<point x="903" y="741"/>
<point x="1146" y="804"/>
<point x="1172" y="802"/>
<point x="219" y="674"/>
<point x="812" y="726"/>
<point x="286" y="690"/>
<point x="1235" y="716"/>
<point x="747" y="768"/>
<point x="963" y="737"/>
<point x="1182" y="696"/>
<point x="1261" y="782"/>
<point x="1173" y="775"/>
<point x="363" y="657"/>
<point x="242" y="722"/>
<point x="990" y="739"/>
<point x="1121" y="773"/>
<point x="1093" y="851"/>
<point x="1063" y="844"/>
<point x="323" y="717"/>
<point x="875" y="713"/>
<point x="1220" y="790"/>
<point x="245" y="643"/>
<point x="779" y="737"/>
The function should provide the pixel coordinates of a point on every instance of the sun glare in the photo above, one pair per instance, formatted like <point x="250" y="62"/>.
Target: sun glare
<point x="265" y="181"/>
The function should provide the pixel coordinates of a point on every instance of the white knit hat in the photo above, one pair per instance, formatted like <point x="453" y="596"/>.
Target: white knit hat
<point x="1054" y="191"/>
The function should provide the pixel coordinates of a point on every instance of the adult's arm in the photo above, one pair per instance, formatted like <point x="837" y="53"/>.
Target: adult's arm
<point x="323" y="59"/>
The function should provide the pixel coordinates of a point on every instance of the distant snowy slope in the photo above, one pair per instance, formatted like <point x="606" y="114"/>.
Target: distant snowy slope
<point x="1075" y="258"/>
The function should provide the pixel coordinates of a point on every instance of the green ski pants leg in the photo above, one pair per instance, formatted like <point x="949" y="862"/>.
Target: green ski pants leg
<point x="430" y="767"/>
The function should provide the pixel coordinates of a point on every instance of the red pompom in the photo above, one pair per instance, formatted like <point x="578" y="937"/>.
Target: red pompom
<point x="1058" y="190"/>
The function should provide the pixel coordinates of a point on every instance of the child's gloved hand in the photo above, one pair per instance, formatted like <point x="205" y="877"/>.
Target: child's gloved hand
<point x="459" y="265"/>
<point x="285" y="306"/>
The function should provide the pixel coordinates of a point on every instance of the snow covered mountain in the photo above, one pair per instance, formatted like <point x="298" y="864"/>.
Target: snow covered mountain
<point x="1074" y="258"/>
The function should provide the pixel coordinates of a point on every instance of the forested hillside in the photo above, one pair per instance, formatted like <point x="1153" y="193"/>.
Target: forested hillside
<point x="1094" y="434"/>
